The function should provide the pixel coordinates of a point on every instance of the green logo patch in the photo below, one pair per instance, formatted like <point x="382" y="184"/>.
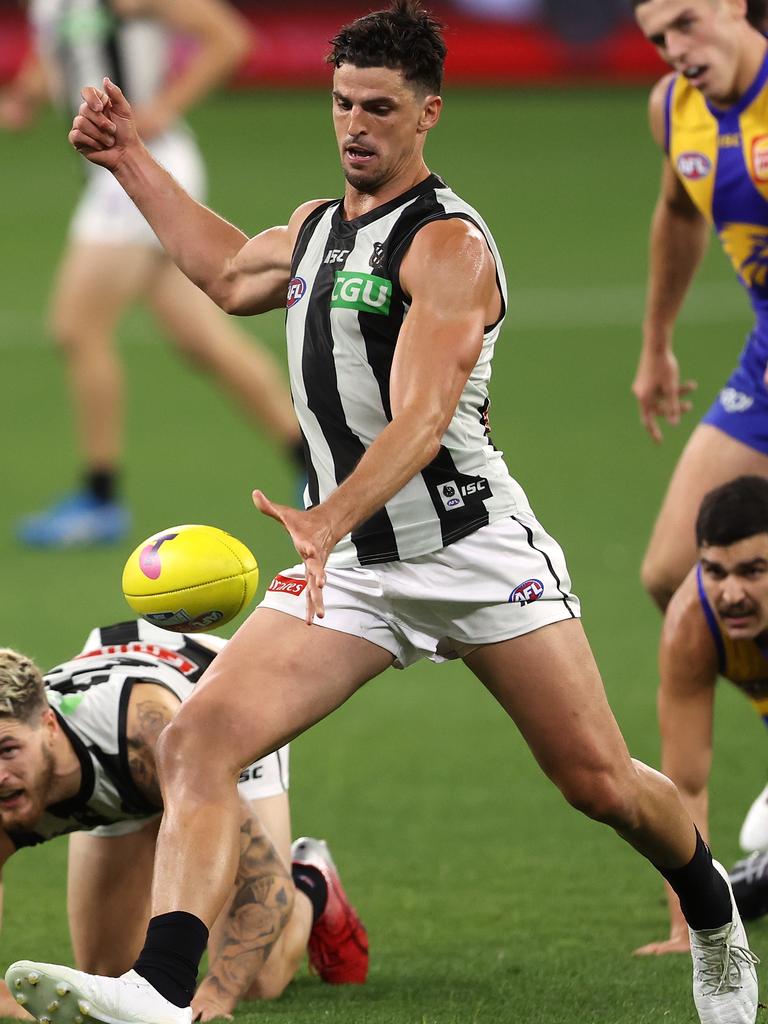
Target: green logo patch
<point x="70" y="703"/>
<point x="352" y="290"/>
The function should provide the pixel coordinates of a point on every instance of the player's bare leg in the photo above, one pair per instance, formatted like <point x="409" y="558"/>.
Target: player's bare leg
<point x="275" y="678"/>
<point x="109" y="879"/>
<point x="83" y="322"/>
<point x="710" y="458"/>
<point x="213" y="341"/>
<point x="548" y="683"/>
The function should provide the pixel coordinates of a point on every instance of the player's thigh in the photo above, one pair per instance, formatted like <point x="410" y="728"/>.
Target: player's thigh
<point x="109" y="880"/>
<point x="275" y="678"/>
<point x="549" y="684"/>
<point x="96" y="283"/>
<point x="710" y="458"/>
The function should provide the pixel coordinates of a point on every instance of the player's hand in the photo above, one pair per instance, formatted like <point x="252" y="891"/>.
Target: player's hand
<point x="9" y="1007"/>
<point x="206" y="1007"/>
<point x="659" y="392"/>
<point x="313" y="539"/>
<point x="104" y="126"/>
<point x="676" y="943"/>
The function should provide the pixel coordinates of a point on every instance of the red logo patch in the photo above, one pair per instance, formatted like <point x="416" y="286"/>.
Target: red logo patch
<point x="694" y="166"/>
<point x="286" y="585"/>
<point x="296" y="288"/>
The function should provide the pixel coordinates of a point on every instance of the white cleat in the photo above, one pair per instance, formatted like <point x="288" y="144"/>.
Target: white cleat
<point x="724" y="971"/>
<point x="61" y="995"/>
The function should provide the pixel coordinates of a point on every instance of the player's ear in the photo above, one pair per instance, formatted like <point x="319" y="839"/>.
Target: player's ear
<point x="430" y="113"/>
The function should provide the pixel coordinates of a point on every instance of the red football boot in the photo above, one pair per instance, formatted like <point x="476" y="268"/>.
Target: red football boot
<point x="338" y="942"/>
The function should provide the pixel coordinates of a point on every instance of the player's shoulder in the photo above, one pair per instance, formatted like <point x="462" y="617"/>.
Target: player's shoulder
<point x="657" y="106"/>
<point x="303" y="213"/>
<point x="449" y="240"/>
<point x="686" y="635"/>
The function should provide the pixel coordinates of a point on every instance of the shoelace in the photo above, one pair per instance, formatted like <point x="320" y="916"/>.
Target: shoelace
<point x="720" y="965"/>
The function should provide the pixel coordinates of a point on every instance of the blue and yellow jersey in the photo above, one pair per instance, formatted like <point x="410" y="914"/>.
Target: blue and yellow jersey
<point x="721" y="158"/>
<point x="742" y="662"/>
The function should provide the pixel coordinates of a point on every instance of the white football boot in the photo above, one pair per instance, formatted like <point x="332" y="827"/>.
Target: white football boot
<point x="724" y="971"/>
<point x="753" y="836"/>
<point x="61" y="995"/>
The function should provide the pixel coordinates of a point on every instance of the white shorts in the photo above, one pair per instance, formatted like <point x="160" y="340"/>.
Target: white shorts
<point x="267" y="777"/>
<point x="501" y="581"/>
<point x="106" y="216"/>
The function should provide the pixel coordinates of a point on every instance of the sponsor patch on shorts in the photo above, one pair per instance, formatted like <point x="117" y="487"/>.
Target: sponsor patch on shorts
<point x="527" y="592"/>
<point x="286" y="585"/>
<point x="735" y="401"/>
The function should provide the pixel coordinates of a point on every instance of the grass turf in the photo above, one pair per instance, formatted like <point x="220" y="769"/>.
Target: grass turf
<point x="487" y="899"/>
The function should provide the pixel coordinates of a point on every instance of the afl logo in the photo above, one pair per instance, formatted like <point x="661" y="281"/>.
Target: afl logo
<point x="296" y="290"/>
<point x="694" y="166"/>
<point x="527" y="592"/>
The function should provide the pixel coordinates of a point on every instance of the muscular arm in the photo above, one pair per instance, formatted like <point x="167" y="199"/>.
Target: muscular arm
<point x="242" y="276"/>
<point x="450" y="275"/>
<point x="223" y="39"/>
<point x="150" y="709"/>
<point x="678" y="240"/>
<point x="688" y="671"/>
<point x="249" y="926"/>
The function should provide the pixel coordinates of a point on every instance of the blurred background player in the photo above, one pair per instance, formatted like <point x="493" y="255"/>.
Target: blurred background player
<point x="77" y="752"/>
<point x="717" y="624"/>
<point x="109" y="240"/>
<point x="711" y="119"/>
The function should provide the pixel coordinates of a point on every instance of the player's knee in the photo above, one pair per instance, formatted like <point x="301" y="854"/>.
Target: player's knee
<point x="602" y="795"/>
<point x="194" y="750"/>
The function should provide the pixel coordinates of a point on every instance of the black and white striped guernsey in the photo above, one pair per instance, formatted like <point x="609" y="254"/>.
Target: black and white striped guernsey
<point x="81" y="41"/>
<point x="345" y="308"/>
<point x="90" y="697"/>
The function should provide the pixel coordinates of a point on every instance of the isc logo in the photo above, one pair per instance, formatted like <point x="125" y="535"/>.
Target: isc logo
<point x="452" y="494"/>
<point x="527" y="592"/>
<point x="336" y="255"/>
<point x="694" y="166"/>
<point x="296" y="288"/>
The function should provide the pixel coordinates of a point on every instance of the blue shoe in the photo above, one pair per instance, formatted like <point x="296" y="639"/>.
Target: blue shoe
<point x="76" y="520"/>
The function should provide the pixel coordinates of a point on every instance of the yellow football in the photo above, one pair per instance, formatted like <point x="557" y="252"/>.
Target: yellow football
<point x="190" y="578"/>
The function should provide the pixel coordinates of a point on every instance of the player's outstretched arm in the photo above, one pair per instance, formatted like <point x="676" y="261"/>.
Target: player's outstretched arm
<point x="241" y="275"/>
<point x="687" y="675"/>
<point x="678" y="240"/>
<point x="450" y="275"/>
<point x="249" y="926"/>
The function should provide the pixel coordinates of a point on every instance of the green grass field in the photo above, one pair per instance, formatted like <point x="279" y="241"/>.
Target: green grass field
<point x="487" y="898"/>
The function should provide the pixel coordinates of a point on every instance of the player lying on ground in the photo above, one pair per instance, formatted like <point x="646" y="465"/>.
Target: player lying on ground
<point x="396" y="295"/>
<point x="77" y="752"/>
<point x="716" y="624"/>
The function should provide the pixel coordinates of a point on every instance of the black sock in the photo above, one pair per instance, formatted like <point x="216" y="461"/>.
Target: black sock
<point x="310" y="881"/>
<point x="172" y="952"/>
<point x="101" y="484"/>
<point x="702" y="890"/>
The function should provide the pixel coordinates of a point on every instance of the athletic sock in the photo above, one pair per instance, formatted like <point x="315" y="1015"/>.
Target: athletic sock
<point x="310" y="881"/>
<point x="101" y="484"/>
<point x="703" y="892"/>
<point x="171" y="955"/>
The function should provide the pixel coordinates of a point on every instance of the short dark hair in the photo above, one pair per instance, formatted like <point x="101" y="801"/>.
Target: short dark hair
<point x="405" y="37"/>
<point x="733" y="511"/>
<point x="757" y="11"/>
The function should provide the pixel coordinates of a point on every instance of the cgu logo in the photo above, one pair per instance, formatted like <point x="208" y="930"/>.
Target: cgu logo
<point x="527" y="592"/>
<point x="296" y="288"/>
<point x="694" y="166"/>
<point x="366" y="292"/>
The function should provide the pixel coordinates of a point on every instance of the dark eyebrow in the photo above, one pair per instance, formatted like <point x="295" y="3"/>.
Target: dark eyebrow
<point x="376" y="101"/>
<point x="659" y="38"/>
